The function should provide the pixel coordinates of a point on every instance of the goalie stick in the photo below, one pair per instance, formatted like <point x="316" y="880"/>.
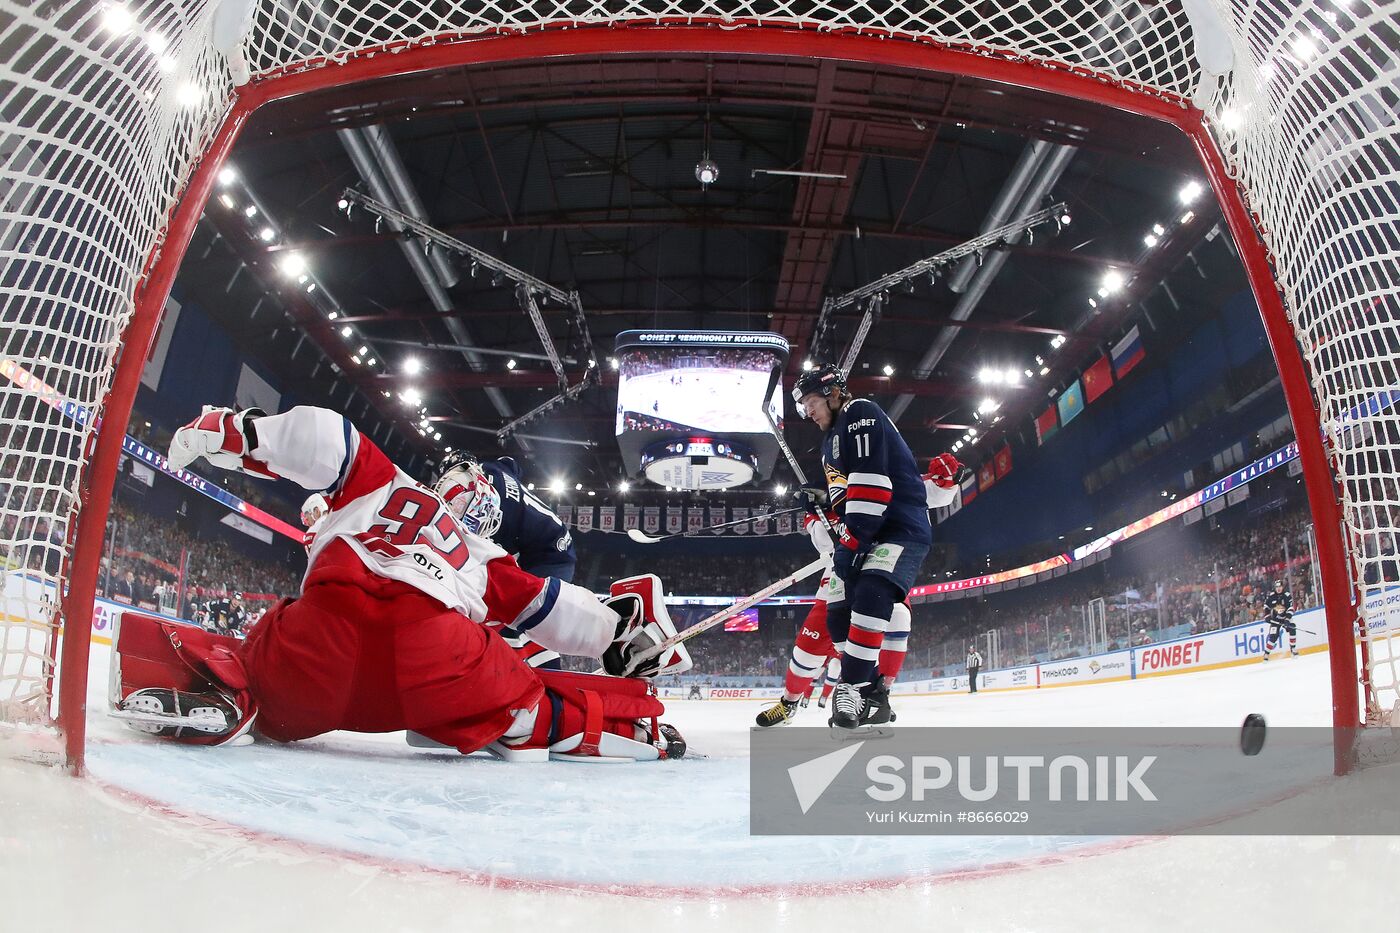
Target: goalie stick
<point x="641" y="537"/>
<point x="710" y="622"/>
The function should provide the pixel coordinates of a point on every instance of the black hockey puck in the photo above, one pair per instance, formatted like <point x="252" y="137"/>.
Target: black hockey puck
<point x="1252" y="734"/>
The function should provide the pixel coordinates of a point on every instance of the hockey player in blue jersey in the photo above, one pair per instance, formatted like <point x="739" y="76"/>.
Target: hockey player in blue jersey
<point x="489" y="499"/>
<point x="877" y="494"/>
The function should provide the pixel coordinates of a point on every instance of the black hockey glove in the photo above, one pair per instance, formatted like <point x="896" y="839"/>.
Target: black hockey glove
<point x="813" y="499"/>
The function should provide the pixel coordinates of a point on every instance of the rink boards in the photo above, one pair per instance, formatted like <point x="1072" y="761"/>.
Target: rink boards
<point x="1230" y="647"/>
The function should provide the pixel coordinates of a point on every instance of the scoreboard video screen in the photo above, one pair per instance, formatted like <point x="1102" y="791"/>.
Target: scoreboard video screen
<point x="691" y="405"/>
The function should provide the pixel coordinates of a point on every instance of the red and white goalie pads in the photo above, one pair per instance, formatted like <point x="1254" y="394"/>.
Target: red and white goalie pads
<point x="591" y="717"/>
<point x="178" y="682"/>
<point x="221" y="436"/>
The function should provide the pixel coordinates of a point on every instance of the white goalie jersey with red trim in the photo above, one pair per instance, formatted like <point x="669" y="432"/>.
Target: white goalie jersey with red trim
<point x="397" y="526"/>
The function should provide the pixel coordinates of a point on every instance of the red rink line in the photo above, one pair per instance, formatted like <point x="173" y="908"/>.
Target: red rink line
<point x="401" y="868"/>
<point x="637" y="890"/>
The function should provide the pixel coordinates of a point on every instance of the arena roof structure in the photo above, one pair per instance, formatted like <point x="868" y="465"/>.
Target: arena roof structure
<point x="830" y="175"/>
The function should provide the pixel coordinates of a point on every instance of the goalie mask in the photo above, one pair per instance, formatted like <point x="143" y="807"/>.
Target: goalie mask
<point x="469" y="495"/>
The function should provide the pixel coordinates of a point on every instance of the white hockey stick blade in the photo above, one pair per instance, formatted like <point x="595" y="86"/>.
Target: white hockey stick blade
<point x="641" y="537"/>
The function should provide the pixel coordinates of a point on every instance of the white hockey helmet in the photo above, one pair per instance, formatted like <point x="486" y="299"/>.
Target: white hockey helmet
<point x="314" y="509"/>
<point x="469" y="495"/>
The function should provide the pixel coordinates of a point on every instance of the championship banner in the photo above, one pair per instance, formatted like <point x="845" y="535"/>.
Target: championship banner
<point x="629" y="517"/>
<point x="738" y="514"/>
<point x="607" y="518"/>
<point x="651" y="520"/>
<point x="760" y="527"/>
<point x="717" y="517"/>
<point x="585" y="518"/>
<point x="694" y="519"/>
<point x="673" y="519"/>
<point x="565" y="513"/>
<point x="784" y="523"/>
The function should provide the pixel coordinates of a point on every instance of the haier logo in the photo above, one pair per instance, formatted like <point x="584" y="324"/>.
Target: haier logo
<point x="1248" y="644"/>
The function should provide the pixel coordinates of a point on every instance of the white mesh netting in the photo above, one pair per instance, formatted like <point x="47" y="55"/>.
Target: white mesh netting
<point x="107" y="108"/>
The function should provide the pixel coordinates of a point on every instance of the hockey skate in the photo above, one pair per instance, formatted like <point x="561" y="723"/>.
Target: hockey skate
<point x="860" y="711"/>
<point x="179" y="682"/>
<point x="804" y="701"/>
<point x="643" y="623"/>
<point x="780" y="713"/>
<point x="821" y="703"/>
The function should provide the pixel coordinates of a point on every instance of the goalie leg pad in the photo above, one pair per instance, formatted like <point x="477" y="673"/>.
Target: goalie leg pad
<point x="593" y="717"/>
<point x="178" y="682"/>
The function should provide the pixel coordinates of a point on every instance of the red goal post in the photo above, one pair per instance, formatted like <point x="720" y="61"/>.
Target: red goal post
<point x="116" y="120"/>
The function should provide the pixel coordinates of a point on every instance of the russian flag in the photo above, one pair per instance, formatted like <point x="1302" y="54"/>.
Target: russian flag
<point x="1127" y="352"/>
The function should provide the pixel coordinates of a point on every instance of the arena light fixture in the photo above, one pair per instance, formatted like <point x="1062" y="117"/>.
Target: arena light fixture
<point x="779" y="490"/>
<point x="1187" y="217"/>
<point x="624" y="487"/>
<point x="156" y="42"/>
<point x="342" y="205"/>
<point x="266" y="234"/>
<point x="707" y="172"/>
<point x="987" y="406"/>
<point x="1056" y="342"/>
<point x="1045" y="370"/>
<point x="250" y="211"/>
<point x="226" y="201"/>
<point x="227" y="175"/>
<point x="989" y="376"/>
<point x="1159" y="229"/>
<point x="1189" y="192"/>
<point x="889" y="370"/>
<point x="411" y="397"/>
<point x="1012" y="377"/>
<point x="1150" y="240"/>
<point x="364" y="351"/>
<point x="806" y="365"/>
<point x="293" y="265"/>
<point x="116" y="18"/>
<point x="412" y="366"/>
<point x="1113" y="281"/>
<point x="578" y="486"/>
<point x="510" y="363"/>
<point x="612" y="362"/>
<point x="346" y="331"/>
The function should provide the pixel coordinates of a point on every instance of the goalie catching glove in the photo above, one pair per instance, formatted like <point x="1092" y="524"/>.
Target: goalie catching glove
<point x="222" y="436"/>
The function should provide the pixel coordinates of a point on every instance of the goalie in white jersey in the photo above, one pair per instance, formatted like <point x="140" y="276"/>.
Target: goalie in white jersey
<point x="382" y="638"/>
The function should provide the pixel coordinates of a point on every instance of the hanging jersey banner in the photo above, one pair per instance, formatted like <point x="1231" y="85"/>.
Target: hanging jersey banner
<point x="629" y="517"/>
<point x="784" y="523"/>
<point x="607" y="518"/>
<point x="760" y="527"/>
<point x="566" y="514"/>
<point x="717" y="517"/>
<point x="741" y="529"/>
<point x="651" y="519"/>
<point x="674" y="517"/>
<point x="694" y="519"/>
<point x="585" y="518"/>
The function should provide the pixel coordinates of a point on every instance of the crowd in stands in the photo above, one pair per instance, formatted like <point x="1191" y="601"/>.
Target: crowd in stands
<point x="142" y="562"/>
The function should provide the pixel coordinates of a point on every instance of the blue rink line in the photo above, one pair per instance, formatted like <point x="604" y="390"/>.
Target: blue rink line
<point x="680" y="824"/>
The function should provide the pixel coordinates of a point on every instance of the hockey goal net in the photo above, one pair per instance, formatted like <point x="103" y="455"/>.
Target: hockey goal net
<point x="116" y="117"/>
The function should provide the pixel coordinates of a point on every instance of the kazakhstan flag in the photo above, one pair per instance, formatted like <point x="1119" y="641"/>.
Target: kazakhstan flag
<point x="1071" y="402"/>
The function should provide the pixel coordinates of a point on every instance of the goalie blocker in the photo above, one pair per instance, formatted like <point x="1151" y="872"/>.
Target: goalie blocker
<point x="181" y="683"/>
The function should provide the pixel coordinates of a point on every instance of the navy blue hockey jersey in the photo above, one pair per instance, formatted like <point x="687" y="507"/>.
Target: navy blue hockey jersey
<point x="871" y="478"/>
<point x="530" y="530"/>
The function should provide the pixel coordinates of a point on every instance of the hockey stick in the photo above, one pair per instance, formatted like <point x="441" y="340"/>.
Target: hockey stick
<point x="641" y="537"/>
<point x="710" y="622"/>
<point x="788" y="454"/>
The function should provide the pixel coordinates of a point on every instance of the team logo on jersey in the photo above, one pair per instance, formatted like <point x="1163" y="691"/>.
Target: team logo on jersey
<point x="883" y="557"/>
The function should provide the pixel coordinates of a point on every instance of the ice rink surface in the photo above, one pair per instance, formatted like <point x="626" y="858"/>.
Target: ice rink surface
<point x="351" y="832"/>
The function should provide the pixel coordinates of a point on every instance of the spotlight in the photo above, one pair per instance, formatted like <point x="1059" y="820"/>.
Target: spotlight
<point x="250" y="211"/>
<point x="988" y="406"/>
<point x="1190" y="192"/>
<point x="706" y="172"/>
<point x="1150" y="240"/>
<point x="779" y="490"/>
<point x="1056" y="342"/>
<point x="346" y="331"/>
<point x="612" y="361"/>
<point x="806" y="365"/>
<point x="1113" y="281"/>
<point x="624" y="487"/>
<point x="889" y="370"/>
<point x="266" y="234"/>
<point x="227" y="176"/>
<point x="411" y="397"/>
<point x="510" y="363"/>
<point x="557" y="486"/>
<point x="578" y="486"/>
<point x="293" y="265"/>
<point x="342" y="204"/>
<point x="116" y="19"/>
<point x="413" y="366"/>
